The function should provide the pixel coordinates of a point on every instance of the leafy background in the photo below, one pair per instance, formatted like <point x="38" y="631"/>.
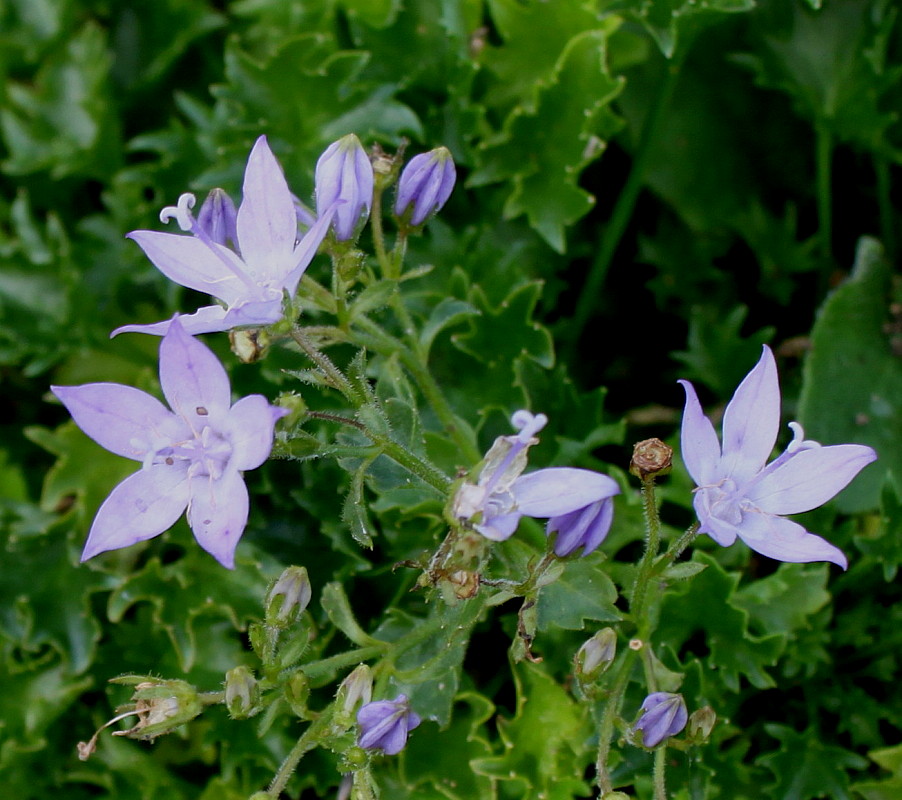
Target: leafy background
<point x="647" y="190"/>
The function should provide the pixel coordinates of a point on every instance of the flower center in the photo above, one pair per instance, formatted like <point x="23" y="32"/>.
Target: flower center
<point x="206" y="454"/>
<point x="724" y="501"/>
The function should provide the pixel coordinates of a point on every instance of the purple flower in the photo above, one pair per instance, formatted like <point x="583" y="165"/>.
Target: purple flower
<point x="425" y="185"/>
<point x="738" y="495"/>
<point x="384" y="725"/>
<point x="191" y="457"/>
<point x="663" y="715"/>
<point x="252" y="279"/>
<point x="344" y="179"/>
<point x="501" y="496"/>
<point x="586" y="527"/>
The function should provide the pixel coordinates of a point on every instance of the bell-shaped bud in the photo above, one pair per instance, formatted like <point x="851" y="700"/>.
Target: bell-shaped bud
<point x="241" y="693"/>
<point x="218" y="218"/>
<point x="384" y="725"/>
<point x="288" y="597"/>
<point x="664" y="715"/>
<point x="425" y="185"/>
<point x="701" y="723"/>
<point x="595" y="656"/>
<point x="355" y="690"/>
<point x="344" y="180"/>
<point x="651" y="458"/>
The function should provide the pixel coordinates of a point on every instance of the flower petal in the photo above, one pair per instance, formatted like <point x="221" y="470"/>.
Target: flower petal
<point x="194" y="383"/>
<point x="249" y="427"/>
<point x="560" y="490"/>
<point x="808" y="478"/>
<point x="786" y="540"/>
<point x="190" y="262"/>
<point x="124" y="420"/>
<point x="267" y="222"/>
<point x="720" y="531"/>
<point x="212" y="319"/>
<point x="698" y="440"/>
<point x="306" y="250"/>
<point x="586" y="527"/>
<point x="501" y="527"/>
<point x="217" y="513"/>
<point x="142" y="506"/>
<point x="751" y="421"/>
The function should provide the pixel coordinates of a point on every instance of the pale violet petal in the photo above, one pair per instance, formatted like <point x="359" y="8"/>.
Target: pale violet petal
<point x="249" y="427"/>
<point x="559" y="490"/>
<point x="808" y="478"/>
<point x="306" y="249"/>
<point x="142" y="506"/>
<point x="209" y="319"/>
<point x="267" y="222"/>
<point x="500" y="527"/>
<point x="194" y="383"/>
<point x="786" y="540"/>
<point x="698" y="440"/>
<point x="187" y="260"/>
<point x="719" y="530"/>
<point x="751" y="421"/>
<point x="124" y="420"/>
<point x="217" y="514"/>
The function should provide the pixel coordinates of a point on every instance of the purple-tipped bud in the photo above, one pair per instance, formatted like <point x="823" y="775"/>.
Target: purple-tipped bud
<point x="586" y="527"/>
<point x="344" y="175"/>
<point x="384" y="725"/>
<point x="288" y="597"/>
<point x="218" y="218"/>
<point x="425" y="186"/>
<point x="596" y="655"/>
<point x="664" y="715"/>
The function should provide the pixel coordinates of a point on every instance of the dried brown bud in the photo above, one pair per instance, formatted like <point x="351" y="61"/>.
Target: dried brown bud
<point x="651" y="457"/>
<point x="249" y="345"/>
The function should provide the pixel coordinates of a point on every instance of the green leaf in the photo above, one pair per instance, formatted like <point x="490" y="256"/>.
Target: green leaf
<point x="733" y="649"/>
<point x="884" y="544"/>
<point x="544" y="743"/>
<point x="852" y="378"/>
<point x="805" y="768"/>
<point x="583" y="592"/>
<point x="450" y="311"/>
<point x="785" y="601"/>
<point x="335" y="603"/>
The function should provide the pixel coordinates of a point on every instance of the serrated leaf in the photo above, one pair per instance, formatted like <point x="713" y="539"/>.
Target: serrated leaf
<point x="884" y="545"/>
<point x="448" y="312"/>
<point x="852" y="379"/>
<point x="582" y="592"/>
<point x="785" y="601"/>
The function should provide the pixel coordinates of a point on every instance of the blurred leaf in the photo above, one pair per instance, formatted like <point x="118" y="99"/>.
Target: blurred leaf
<point x="852" y="378"/>
<point x="884" y="545"/>
<point x="785" y="601"/>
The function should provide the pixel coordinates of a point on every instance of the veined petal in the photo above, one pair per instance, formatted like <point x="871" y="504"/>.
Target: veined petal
<point x="306" y="250"/>
<point x="124" y="420"/>
<point x="217" y="513"/>
<point x="209" y="319"/>
<point x="786" y="540"/>
<point x="751" y="421"/>
<point x="720" y="531"/>
<point x="194" y="383"/>
<point x="698" y="440"/>
<point x="142" y="506"/>
<point x="808" y="478"/>
<point x="267" y="222"/>
<point x="190" y="262"/>
<point x="249" y="427"/>
<point x="559" y="490"/>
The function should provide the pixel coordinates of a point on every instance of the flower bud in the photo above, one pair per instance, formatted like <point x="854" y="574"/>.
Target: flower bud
<point x="651" y="457"/>
<point x="384" y="725"/>
<point x="596" y="655"/>
<point x="218" y="218"/>
<point x="356" y="689"/>
<point x="241" y="693"/>
<point x="664" y="715"/>
<point x="297" y="690"/>
<point x="160" y="705"/>
<point x="344" y="176"/>
<point x="701" y="723"/>
<point x="288" y="597"/>
<point x="425" y="185"/>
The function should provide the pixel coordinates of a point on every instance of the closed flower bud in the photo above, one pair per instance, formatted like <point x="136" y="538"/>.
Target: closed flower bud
<point x="425" y="185"/>
<point x="651" y="457"/>
<point x="241" y="693"/>
<point x="701" y="723"/>
<point x="344" y="179"/>
<point x="596" y="655"/>
<point x="356" y="690"/>
<point x="384" y="725"/>
<point x="218" y="218"/>
<point x="664" y="715"/>
<point x="288" y="597"/>
<point x="297" y="690"/>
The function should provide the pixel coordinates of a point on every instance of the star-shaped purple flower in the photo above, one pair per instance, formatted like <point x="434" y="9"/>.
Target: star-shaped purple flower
<point x="664" y="715"/>
<point x="251" y="280"/>
<point x="740" y="495"/>
<point x="384" y="725"/>
<point x="191" y="457"/>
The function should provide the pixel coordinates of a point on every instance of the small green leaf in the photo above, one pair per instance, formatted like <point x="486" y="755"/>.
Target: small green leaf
<point x="335" y="603"/>
<point x="582" y="592"/>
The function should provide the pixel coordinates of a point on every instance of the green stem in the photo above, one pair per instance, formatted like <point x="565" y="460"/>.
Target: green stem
<point x="824" y="159"/>
<point x="647" y="564"/>
<point x="303" y="746"/>
<point x="608" y="718"/>
<point x="326" y="666"/>
<point x="379" y="234"/>
<point x="331" y="372"/>
<point x="397" y="256"/>
<point x="677" y="546"/>
<point x="659" y="769"/>
<point x="623" y="209"/>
